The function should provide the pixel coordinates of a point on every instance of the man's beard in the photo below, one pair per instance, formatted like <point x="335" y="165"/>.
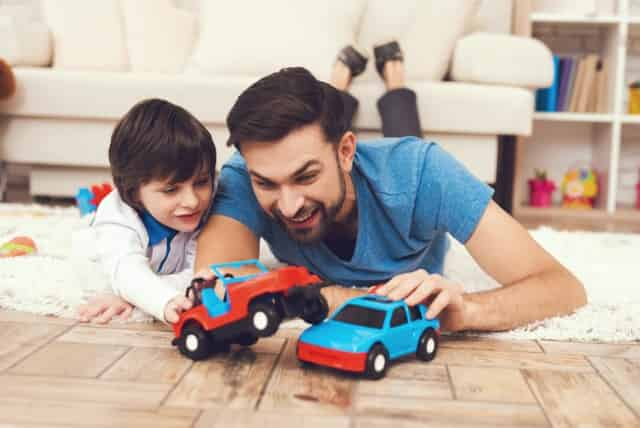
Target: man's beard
<point x="327" y="215"/>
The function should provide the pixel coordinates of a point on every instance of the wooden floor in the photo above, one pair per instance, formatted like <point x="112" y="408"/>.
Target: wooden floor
<point x="56" y="372"/>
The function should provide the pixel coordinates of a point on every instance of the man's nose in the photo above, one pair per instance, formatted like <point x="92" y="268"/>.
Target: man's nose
<point x="290" y="202"/>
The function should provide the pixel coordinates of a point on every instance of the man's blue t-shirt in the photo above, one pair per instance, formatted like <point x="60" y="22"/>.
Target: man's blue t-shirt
<point x="410" y="194"/>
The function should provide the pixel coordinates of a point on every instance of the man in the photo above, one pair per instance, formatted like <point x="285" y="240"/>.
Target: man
<point x="364" y="213"/>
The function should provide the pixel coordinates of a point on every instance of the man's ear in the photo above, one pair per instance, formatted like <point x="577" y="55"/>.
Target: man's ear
<point x="347" y="150"/>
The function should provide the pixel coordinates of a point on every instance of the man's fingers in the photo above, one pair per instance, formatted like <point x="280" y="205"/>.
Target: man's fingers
<point x="439" y="303"/>
<point x="421" y="293"/>
<point x="404" y="289"/>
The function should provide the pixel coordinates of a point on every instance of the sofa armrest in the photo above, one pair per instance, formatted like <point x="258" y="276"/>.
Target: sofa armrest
<point x="502" y="60"/>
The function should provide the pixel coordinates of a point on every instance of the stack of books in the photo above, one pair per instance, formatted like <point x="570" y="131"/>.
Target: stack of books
<point x="579" y="85"/>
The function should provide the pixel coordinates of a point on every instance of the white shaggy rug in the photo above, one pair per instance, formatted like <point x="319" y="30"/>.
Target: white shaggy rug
<point x="62" y="274"/>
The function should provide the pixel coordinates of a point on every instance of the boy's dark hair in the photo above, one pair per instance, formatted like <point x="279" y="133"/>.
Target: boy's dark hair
<point x="282" y="102"/>
<point x="158" y="140"/>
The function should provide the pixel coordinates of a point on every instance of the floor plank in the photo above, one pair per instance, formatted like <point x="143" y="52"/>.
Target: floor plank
<point x="514" y="360"/>
<point x="20" y="339"/>
<point x="149" y="365"/>
<point x="310" y="390"/>
<point x="490" y="384"/>
<point x="70" y="359"/>
<point x="113" y="336"/>
<point x="578" y="399"/>
<point x="26" y="317"/>
<point x="488" y="344"/>
<point x="69" y="414"/>
<point x="450" y="412"/>
<point x="233" y="380"/>
<point x="623" y="376"/>
<point x="613" y="350"/>
<point x="229" y="418"/>
<point x="429" y="382"/>
<point x="94" y="391"/>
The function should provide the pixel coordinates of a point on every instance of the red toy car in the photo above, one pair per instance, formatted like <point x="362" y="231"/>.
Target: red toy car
<point x="253" y="306"/>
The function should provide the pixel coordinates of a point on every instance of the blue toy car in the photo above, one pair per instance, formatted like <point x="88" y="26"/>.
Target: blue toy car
<point x="367" y="332"/>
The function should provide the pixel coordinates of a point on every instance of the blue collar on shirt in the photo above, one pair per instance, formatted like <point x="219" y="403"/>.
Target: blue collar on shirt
<point x="156" y="230"/>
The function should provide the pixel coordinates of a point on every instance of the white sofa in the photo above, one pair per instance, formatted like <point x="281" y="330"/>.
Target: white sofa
<point x="61" y="118"/>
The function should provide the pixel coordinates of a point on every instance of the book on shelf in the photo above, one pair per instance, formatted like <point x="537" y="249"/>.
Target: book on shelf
<point x="579" y="85"/>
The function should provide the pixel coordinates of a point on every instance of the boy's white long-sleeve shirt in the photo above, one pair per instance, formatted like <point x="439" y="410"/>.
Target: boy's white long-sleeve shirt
<point x="145" y="266"/>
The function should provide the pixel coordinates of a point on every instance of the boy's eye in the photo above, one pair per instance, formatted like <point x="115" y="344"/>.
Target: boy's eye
<point x="202" y="181"/>
<point x="170" y="189"/>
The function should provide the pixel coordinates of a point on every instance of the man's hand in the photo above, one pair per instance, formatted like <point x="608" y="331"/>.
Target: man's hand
<point x="175" y="307"/>
<point x="445" y="298"/>
<point x="103" y="308"/>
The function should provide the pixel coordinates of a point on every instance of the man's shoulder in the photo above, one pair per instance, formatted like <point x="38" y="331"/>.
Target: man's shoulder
<point x="393" y="164"/>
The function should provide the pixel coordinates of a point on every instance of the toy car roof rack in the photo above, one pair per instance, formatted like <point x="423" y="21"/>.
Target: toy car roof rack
<point x="230" y="279"/>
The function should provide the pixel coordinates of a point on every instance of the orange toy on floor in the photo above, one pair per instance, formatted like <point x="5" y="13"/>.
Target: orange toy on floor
<point x="18" y="246"/>
<point x="7" y="80"/>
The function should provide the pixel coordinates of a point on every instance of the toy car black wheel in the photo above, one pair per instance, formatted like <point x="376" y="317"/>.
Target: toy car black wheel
<point x="264" y="319"/>
<point x="377" y="362"/>
<point x="246" y="339"/>
<point x="428" y="345"/>
<point x="195" y="343"/>
<point x="315" y="310"/>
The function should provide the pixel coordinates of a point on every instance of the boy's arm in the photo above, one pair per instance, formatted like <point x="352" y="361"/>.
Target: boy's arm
<point x="124" y="260"/>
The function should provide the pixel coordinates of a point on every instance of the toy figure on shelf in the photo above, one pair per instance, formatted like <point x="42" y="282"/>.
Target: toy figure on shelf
<point x="638" y="193"/>
<point x="579" y="188"/>
<point x="88" y="200"/>
<point x="541" y="189"/>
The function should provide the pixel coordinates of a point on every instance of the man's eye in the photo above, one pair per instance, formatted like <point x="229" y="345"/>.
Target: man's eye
<point x="306" y="178"/>
<point x="264" y="184"/>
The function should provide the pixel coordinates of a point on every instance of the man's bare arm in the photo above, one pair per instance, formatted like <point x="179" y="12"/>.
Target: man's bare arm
<point x="224" y="239"/>
<point x="535" y="284"/>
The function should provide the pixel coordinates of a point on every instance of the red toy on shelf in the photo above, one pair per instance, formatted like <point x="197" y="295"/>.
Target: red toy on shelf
<point x="541" y="190"/>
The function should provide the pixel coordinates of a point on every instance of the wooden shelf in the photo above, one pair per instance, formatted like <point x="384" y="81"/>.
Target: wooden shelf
<point x="574" y="117"/>
<point x="557" y="212"/>
<point x="627" y="213"/>
<point x="631" y="119"/>
<point x="575" y="19"/>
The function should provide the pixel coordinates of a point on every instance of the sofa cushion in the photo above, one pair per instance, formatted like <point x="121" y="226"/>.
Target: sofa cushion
<point x="255" y="38"/>
<point x="501" y="59"/>
<point x="159" y="36"/>
<point x="443" y="106"/>
<point x="426" y="29"/>
<point x="87" y="35"/>
<point x="24" y="43"/>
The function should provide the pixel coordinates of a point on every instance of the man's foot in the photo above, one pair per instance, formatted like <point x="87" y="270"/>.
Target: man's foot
<point x="390" y="64"/>
<point x="350" y="63"/>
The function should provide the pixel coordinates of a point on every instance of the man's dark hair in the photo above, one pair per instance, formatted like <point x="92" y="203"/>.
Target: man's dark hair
<point x="158" y="140"/>
<point x="282" y="102"/>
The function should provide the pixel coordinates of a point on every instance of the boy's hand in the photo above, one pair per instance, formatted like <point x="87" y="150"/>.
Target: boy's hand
<point x="175" y="307"/>
<point x="204" y="273"/>
<point x="103" y="308"/>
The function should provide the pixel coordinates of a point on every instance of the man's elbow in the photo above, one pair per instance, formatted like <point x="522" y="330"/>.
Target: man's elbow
<point x="576" y="295"/>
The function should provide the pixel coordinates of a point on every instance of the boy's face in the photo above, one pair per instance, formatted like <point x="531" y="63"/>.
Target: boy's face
<point x="179" y="206"/>
<point x="301" y="180"/>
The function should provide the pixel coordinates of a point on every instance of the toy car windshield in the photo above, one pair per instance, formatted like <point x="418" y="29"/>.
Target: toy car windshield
<point x="359" y="315"/>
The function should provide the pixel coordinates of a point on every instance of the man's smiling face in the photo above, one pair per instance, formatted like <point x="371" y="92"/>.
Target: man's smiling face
<point x="301" y="180"/>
